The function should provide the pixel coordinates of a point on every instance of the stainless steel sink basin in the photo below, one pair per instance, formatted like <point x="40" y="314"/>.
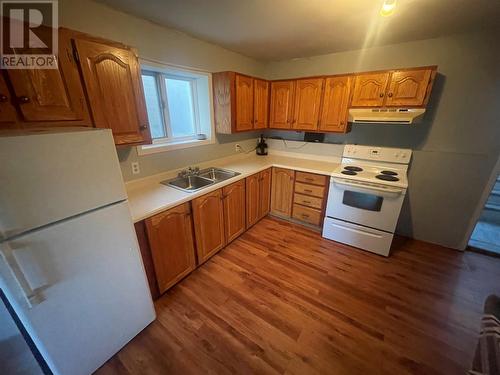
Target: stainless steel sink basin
<point x="217" y="174"/>
<point x="194" y="180"/>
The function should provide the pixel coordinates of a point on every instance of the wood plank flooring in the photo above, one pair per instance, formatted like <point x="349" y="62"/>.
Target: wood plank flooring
<point x="283" y="300"/>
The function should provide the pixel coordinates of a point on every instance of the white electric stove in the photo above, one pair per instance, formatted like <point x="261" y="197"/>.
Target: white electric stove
<point x="365" y="198"/>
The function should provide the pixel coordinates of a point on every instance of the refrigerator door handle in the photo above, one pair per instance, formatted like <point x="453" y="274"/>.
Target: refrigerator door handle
<point x="32" y="297"/>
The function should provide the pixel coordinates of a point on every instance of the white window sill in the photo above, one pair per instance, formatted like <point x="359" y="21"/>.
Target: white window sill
<point x="163" y="147"/>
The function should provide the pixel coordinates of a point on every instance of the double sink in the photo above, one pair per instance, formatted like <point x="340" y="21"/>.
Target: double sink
<point x="194" y="180"/>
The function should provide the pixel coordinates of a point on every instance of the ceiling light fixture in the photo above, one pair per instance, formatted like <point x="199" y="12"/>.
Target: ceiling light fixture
<point x="388" y="8"/>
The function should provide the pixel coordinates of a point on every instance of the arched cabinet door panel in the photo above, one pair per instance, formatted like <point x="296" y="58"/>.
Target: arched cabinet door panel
<point x="307" y="102"/>
<point x="408" y="87"/>
<point x="369" y="89"/>
<point x="334" y="111"/>
<point x="281" y="112"/>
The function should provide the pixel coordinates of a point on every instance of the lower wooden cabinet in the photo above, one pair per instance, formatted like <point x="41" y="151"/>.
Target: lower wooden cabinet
<point x="282" y="191"/>
<point x="265" y="192"/>
<point x="309" y="198"/>
<point x="170" y="236"/>
<point x="208" y="221"/>
<point x="258" y="196"/>
<point x="234" y="210"/>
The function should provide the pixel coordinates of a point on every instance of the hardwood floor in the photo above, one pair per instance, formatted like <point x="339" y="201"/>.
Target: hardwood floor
<point x="283" y="300"/>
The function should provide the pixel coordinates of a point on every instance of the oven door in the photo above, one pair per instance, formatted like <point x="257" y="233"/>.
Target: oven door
<point x="372" y="205"/>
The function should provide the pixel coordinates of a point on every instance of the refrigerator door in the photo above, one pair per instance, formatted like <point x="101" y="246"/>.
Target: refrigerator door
<point x="89" y="290"/>
<point x="49" y="176"/>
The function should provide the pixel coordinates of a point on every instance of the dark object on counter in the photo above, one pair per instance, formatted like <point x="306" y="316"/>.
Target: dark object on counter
<point x="314" y="137"/>
<point x="261" y="146"/>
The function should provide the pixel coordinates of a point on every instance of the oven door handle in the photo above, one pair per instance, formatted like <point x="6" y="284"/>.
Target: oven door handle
<point x="360" y="185"/>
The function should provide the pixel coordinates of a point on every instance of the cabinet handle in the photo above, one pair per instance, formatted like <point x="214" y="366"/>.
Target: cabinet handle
<point x="309" y="179"/>
<point x="306" y="202"/>
<point x="143" y="127"/>
<point x="3" y="98"/>
<point x="381" y="94"/>
<point x="389" y="95"/>
<point x="291" y="178"/>
<point x="23" y="99"/>
<point x="308" y="191"/>
<point x="305" y="215"/>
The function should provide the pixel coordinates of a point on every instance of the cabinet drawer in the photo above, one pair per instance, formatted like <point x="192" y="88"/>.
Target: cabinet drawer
<point x="315" y="191"/>
<point x="306" y="214"/>
<point x="308" y="201"/>
<point x="310" y="178"/>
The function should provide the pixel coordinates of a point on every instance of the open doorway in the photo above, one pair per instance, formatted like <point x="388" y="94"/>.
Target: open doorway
<point x="486" y="233"/>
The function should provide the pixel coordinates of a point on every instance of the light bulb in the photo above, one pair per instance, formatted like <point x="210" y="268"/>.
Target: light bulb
<point x="388" y="8"/>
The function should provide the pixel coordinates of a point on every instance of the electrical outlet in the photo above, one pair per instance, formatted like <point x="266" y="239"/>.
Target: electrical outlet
<point x="135" y="167"/>
<point x="238" y="148"/>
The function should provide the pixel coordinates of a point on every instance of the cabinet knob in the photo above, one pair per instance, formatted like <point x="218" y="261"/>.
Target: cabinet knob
<point x="381" y="94"/>
<point x="389" y="95"/>
<point x="143" y="127"/>
<point x="23" y="99"/>
<point x="3" y="98"/>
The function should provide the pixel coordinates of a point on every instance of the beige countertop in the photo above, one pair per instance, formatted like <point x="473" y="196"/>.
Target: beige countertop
<point x="148" y="196"/>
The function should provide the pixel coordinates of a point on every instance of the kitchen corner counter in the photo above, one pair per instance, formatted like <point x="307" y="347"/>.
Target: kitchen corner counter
<point x="148" y="196"/>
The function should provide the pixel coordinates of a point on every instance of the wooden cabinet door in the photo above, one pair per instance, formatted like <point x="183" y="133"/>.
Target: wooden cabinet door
<point x="253" y="199"/>
<point x="51" y="94"/>
<point x="170" y="236"/>
<point x="282" y="191"/>
<point x="244" y="103"/>
<point x="264" y="192"/>
<point x="369" y="89"/>
<point x="282" y="95"/>
<point x="7" y="110"/>
<point x="307" y="102"/>
<point x="260" y="104"/>
<point x="234" y="210"/>
<point x="408" y="87"/>
<point x="208" y="220"/>
<point x="334" y="110"/>
<point x="112" y="78"/>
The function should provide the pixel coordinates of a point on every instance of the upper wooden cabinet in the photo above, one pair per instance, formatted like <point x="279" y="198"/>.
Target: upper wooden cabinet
<point x="307" y="102"/>
<point x="234" y="210"/>
<point x="244" y="102"/>
<point x="240" y="102"/>
<point x="408" y="87"/>
<point x="334" y="110"/>
<point x="260" y="104"/>
<point x="369" y="89"/>
<point x="208" y="220"/>
<point x="7" y="110"/>
<point x="282" y="98"/>
<point x="112" y="78"/>
<point x="282" y="191"/>
<point x="171" y="241"/>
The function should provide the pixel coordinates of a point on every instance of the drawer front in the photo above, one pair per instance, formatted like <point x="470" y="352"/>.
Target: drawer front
<point x="304" y="200"/>
<point x="310" y="178"/>
<point x="315" y="191"/>
<point x="306" y="214"/>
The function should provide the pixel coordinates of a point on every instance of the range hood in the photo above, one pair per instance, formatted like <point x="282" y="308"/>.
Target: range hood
<point x="385" y="115"/>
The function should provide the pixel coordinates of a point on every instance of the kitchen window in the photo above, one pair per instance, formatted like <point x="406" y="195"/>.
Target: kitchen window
<point x="179" y="105"/>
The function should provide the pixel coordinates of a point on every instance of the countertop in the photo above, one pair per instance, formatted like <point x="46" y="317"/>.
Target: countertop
<point x="148" y="196"/>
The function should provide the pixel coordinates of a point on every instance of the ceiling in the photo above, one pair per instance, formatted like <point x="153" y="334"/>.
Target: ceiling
<point x="284" y="29"/>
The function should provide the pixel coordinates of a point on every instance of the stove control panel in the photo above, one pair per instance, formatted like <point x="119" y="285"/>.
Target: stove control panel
<point x="386" y="154"/>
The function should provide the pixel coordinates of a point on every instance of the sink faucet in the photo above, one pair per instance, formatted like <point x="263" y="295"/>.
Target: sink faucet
<point x="191" y="171"/>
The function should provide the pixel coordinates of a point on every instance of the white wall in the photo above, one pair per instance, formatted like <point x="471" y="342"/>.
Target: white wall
<point x="457" y="144"/>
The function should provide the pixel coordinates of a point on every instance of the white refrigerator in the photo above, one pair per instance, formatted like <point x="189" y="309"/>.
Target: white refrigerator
<point x="70" y="265"/>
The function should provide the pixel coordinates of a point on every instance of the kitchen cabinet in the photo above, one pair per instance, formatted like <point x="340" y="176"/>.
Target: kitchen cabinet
<point x="208" y="220"/>
<point x="258" y="188"/>
<point x="234" y="210"/>
<point x="369" y="89"/>
<point x="7" y="110"/>
<point x="147" y="257"/>
<point x="335" y="107"/>
<point x="281" y="107"/>
<point x="306" y="106"/>
<point x="264" y="192"/>
<point x="112" y="79"/>
<point x="408" y="87"/>
<point x="260" y="104"/>
<point x="48" y="97"/>
<point x="282" y="191"/>
<point x="309" y="198"/>
<point x="244" y="102"/>
<point x="170" y="236"/>
<point x="240" y="102"/>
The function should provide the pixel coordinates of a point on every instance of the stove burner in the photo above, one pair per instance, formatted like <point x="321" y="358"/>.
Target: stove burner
<point x="352" y="168"/>
<point x="349" y="172"/>
<point x="389" y="173"/>
<point x="386" y="177"/>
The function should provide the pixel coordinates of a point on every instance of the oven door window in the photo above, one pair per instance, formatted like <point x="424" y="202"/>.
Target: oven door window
<point x="362" y="201"/>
